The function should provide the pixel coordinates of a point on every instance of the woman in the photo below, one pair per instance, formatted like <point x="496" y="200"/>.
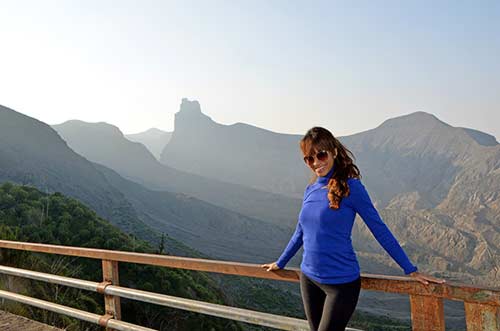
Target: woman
<point x="330" y="279"/>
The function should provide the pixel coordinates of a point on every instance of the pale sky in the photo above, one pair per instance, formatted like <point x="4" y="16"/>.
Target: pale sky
<point x="280" y="65"/>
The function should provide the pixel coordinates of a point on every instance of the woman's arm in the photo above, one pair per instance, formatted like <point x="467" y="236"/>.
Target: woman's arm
<point x="362" y="204"/>
<point x="291" y="249"/>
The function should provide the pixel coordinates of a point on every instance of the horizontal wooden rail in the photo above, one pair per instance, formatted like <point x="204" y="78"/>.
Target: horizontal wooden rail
<point x="223" y="267"/>
<point x="390" y="284"/>
<point x="449" y="290"/>
<point x="482" y="304"/>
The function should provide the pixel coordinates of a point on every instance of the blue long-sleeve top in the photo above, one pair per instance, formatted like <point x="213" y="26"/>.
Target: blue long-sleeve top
<point x="328" y="256"/>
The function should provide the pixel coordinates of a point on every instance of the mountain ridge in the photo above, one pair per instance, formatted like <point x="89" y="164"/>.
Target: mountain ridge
<point x="128" y="205"/>
<point x="415" y="169"/>
<point x="136" y="163"/>
<point x="410" y="208"/>
<point x="414" y="163"/>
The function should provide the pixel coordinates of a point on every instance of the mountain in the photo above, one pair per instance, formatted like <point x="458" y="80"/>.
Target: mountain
<point x="418" y="153"/>
<point x="438" y="189"/>
<point x="154" y="140"/>
<point x="31" y="152"/>
<point x="238" y="153"/>
<point x="448" y="225"/>
<point x="105" y="144"/>
<point x="436" y="185"/>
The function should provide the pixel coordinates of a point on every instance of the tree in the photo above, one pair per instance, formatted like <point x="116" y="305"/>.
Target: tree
<point x="161" y="247"/>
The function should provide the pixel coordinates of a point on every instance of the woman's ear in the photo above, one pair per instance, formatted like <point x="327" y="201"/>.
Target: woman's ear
<point x="335" y="153"/>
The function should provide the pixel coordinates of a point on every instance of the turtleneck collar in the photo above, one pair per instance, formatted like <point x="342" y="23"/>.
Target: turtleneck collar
<point x="324" y="180"/>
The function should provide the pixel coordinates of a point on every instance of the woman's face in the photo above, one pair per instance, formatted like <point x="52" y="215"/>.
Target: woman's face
<point x="320" y="162"/>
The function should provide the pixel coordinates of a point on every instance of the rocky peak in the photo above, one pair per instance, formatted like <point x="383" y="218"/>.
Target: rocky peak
<point x="190" y="106"/>
<point x="190" y="116"/>
<point x="419" y="119"/>
<point x="420" y="132"/>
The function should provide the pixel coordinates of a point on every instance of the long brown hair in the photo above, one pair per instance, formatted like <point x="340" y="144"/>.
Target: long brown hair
<point x="319" y="138"/>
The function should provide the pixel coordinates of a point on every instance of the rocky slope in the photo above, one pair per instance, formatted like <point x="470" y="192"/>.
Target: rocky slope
<point x="32" y="153"/>
<point x="238" y="153"/>
<point x="437" y="186"/>
<point x="105" y="144"/>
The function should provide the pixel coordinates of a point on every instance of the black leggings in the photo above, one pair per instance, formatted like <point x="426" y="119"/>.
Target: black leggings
<point x="329" y="307"/>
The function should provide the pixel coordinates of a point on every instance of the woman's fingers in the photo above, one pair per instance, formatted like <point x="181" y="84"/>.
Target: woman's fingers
<point x="425" y="279"/>
<point x="432" y="279"/>
<point x="435" y="280"/>
<point x="267" y="266"/>
<point x="422" y="280"/>
<point x="270" y="266"/>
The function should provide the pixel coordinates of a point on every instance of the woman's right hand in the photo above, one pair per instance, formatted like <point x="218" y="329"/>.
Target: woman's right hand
<point x="270" y="266"/>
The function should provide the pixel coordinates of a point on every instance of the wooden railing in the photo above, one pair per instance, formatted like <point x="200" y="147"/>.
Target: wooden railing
<point x="482" y="305"/>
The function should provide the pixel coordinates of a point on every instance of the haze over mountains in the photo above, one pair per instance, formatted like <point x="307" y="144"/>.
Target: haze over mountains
<point x="154" y="139"/>
<point x="32" y="153"/>
<point x="105" y="144"/>
<point x="440" y="188"/>
<point x="435" y="185"/>
<point x="238" y="153"/>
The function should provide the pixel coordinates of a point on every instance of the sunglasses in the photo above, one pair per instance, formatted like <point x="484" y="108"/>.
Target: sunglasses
<point x="321" y="156"/>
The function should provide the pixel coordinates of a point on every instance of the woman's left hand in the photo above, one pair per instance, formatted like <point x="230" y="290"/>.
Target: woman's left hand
<point x="425" y="279"/>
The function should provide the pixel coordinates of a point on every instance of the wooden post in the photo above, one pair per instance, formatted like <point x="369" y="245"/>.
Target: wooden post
<point x="111" y="303"/>
<point x="427" y="313"/>
<point x="481" y="317"/>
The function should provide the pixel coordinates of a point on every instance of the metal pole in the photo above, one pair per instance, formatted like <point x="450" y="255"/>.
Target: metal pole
<point x="54" y="279"/>
<point x="238" y="314"/>
<point x="282" y="322"/>
<point x="72" y="312"/>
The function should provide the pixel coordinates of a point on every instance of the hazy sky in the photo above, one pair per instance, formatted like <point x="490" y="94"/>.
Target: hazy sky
<point x="279" y="65"/>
